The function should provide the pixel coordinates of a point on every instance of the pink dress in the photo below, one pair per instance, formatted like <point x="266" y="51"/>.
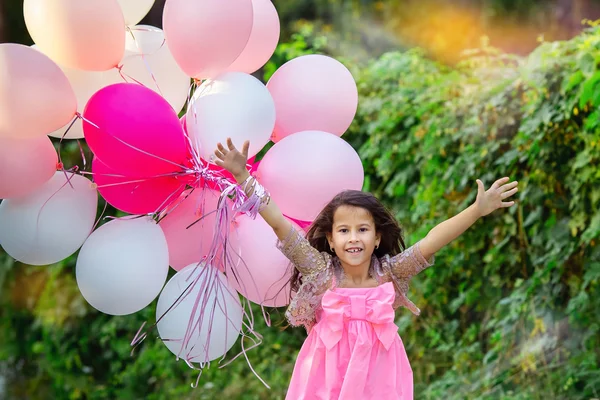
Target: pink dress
<point x="354" y="350"/>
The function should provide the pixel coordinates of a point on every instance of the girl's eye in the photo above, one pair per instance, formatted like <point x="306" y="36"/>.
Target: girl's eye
<point x="363" y="229"/>
<point x="343" y="230"/>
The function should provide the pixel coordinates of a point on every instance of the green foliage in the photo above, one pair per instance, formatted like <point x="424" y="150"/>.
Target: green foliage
<point x="509" y="310"/>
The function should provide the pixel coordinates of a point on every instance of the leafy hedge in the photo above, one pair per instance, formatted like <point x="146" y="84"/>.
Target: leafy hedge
<point x="509" y="310"/>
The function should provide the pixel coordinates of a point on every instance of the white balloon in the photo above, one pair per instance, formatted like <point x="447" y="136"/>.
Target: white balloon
<point x="135" y="10"/>
<point x="218" y="311"/>
<point x="51" y="223"/>
<point x="149" y="62"/>
<point x="235" y="105"/>
<point x="123" y="265"/>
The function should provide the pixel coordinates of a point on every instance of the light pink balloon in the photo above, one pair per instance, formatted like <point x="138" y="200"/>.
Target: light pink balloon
<point x="140" y="195"/>
<point x="313" y="92"/>
<point x="263" y="273"/>
<point x="304" y="171"/>
<point x="189" y="246"/>
<point x="25" y="165"/>
<point x="36" y="97"/>
<point x="206" y="36"/>
<point x="263" y="38"/>
<point x="88" y="35"/>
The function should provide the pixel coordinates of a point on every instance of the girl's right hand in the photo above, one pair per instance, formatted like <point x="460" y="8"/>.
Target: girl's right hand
<point x="233" y="160"/>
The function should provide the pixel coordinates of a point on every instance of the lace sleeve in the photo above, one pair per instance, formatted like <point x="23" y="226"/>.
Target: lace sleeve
<point x="410" y="262"/>
<point x="298" y="250"/>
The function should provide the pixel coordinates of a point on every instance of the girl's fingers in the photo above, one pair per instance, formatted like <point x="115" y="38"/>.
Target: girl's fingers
<point x="245" y="148"/>
<point x="509" y="186"/>
<point x="219" y="162"/>
<point x="509" y="193"/>
<point x="221" y="148"/>
<point x="499" y="182"/>
<point x="507" y="203"/>
<point x="219" y="155"/>
<point x="230" y="144"/>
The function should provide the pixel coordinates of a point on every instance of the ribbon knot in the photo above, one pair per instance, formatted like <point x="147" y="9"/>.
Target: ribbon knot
<point x="375" y="307"/>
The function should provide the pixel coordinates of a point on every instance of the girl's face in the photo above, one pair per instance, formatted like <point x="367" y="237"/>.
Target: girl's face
<point x="353" y="236"/>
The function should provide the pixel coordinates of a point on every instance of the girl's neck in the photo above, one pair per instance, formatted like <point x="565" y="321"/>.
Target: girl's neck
<point x="357" y="275"/>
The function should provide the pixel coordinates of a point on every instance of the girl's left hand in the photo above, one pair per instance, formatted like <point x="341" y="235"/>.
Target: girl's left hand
<point x="492" y="199"/>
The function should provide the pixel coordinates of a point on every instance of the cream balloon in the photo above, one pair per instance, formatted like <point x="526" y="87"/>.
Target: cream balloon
<point x="149" y="62"/>
<point x="35" y="95"/>
<point x="123" y="265"/>
<point x="50" y="223"/>
<point x="135" y="10"/>
<point x="85" y="84"/>
<point x="234" y="105"/>
<point x="212" y="307"/>
<point x="88" y="35"/>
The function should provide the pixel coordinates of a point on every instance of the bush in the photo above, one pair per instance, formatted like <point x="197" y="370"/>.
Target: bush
<point x="509" y="310"/>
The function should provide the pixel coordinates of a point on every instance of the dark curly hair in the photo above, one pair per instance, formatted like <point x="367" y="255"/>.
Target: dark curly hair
<point x="386" y="225"/>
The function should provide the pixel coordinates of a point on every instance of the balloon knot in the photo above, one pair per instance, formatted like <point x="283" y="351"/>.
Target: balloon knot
<point x="93" y="186"/>
<point x="59" y="166"/>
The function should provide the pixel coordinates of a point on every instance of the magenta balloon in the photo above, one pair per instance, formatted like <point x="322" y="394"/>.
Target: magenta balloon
<point x="141" y="195"/>
<point x="134" y="131"/>
<point x="206" y="36"/>
<point x="302" y="224"/>
<point x="25" y="165"/>
<point x="313" y="92"/>
<point x="304" y="171"/>
<point x="263" y="274"/>
<point x="188" y="245"/>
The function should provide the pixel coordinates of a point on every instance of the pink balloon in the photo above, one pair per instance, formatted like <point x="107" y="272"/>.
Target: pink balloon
<point x="206" y="36"/>
<point x="141" y="195"/>
<point x="36" y="97"/>
<point x="134" y="131"/>
<point x="87" y="35"/>
<point x="188" y="245"/>
<point x="25" y="165"/>
<point x="263" y="38"/>
<point x="313" y="92"/>
<point x="302" y="186"/>
<point x="263" y="273"/>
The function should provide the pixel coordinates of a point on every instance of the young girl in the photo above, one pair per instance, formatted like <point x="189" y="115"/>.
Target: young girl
<point x="351" y="274"/>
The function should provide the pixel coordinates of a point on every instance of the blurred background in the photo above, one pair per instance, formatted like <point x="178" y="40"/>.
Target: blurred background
<point x="450" y="91"/>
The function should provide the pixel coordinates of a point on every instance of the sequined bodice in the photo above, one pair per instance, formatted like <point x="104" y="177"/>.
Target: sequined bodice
<point x="320" y="270"/>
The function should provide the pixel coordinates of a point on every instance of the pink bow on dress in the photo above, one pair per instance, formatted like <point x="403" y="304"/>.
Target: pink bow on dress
<point x="375" y="306"/>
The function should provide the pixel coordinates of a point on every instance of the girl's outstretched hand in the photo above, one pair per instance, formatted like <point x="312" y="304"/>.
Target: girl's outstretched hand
<point x="232" y="159"/>
<point x="493" y="198"/>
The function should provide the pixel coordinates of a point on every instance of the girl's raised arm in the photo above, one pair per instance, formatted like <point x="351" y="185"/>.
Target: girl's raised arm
<point x="295" y="247"/>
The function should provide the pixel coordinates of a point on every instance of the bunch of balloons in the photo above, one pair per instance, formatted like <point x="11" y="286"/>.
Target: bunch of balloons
<point x="94" y="74"/>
